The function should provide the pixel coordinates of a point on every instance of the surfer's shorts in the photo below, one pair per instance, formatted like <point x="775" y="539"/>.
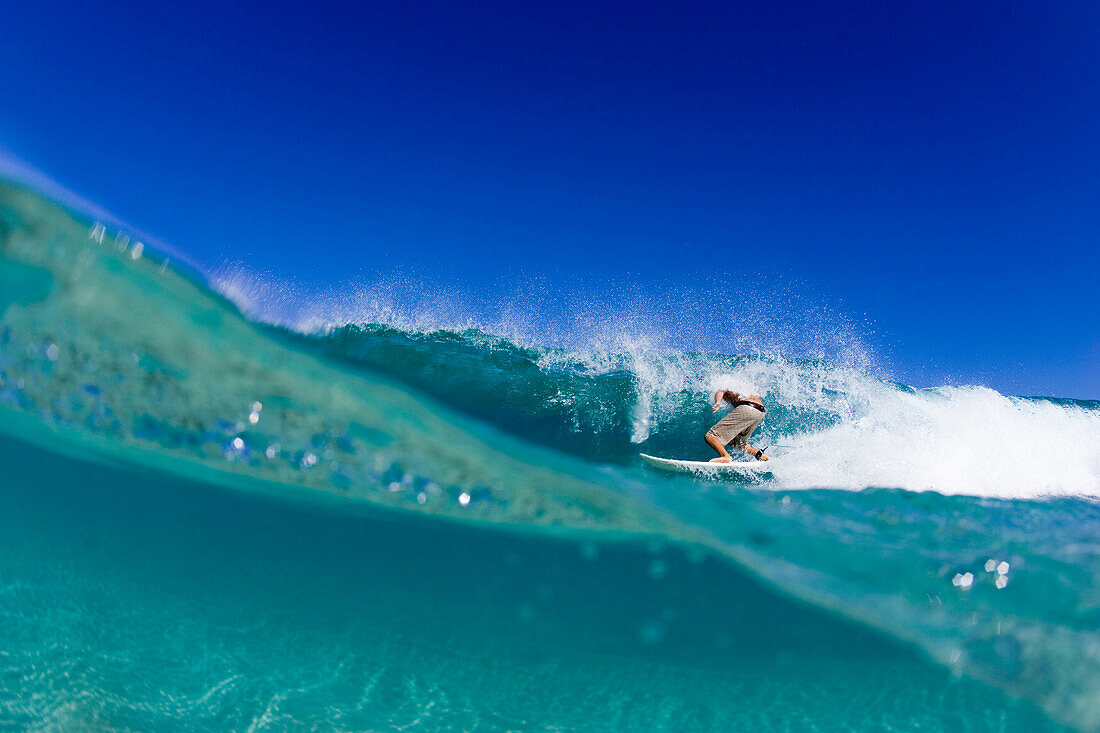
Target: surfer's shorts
<point x="736" y="427"/>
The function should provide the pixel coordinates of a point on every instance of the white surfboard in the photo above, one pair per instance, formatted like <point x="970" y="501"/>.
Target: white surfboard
<point x="706" y="467"/>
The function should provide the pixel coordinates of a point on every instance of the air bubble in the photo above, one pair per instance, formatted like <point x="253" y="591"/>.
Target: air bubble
<point x="963" y="581"/>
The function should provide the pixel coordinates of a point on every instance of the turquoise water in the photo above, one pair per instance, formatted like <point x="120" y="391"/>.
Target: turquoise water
<point x="212" y="523"/>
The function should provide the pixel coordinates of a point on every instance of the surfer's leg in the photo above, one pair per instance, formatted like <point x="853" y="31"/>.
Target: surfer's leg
<point x="741" y="442"/>
<point x="719" y="436"/>
<point x="733" y="429"/>
<point x="716" y="443"/>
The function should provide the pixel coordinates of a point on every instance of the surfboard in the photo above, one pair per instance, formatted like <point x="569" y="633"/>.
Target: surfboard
<point x="708" y="468"/>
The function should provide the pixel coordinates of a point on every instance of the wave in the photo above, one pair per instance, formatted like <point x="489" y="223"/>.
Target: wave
<point x="110" y="351"/>
<point x="621" y="383"/>
<point x="834" y="426"/>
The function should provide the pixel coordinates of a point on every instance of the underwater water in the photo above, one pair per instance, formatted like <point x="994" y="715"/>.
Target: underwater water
<point x="211" y="523"/>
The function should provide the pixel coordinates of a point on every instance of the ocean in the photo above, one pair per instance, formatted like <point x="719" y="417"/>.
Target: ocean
<point x="209" y="521"/>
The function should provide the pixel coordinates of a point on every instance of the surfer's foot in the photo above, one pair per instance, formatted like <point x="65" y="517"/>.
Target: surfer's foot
<point x="721" y="459"/>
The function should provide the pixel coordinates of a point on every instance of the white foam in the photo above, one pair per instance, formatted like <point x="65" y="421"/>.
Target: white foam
<point x="861" y="431"/>
<point x="955" y="440"/>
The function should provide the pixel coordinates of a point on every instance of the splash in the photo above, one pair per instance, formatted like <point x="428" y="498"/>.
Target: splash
<point x="589" y="316"/>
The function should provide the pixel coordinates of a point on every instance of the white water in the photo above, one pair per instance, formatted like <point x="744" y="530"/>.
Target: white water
<point x="955" y="440"/>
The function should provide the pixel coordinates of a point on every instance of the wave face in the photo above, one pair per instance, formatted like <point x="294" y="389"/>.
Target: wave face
<point x="951" y="540"/>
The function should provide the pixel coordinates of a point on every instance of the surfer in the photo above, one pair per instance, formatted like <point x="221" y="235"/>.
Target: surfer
<point x="736" y="427"/>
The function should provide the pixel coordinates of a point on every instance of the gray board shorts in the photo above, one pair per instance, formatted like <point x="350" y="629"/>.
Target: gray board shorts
<point x="737" y="426"/>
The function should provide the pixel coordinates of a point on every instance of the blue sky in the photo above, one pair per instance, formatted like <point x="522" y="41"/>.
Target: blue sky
<point x="933" y="168"/>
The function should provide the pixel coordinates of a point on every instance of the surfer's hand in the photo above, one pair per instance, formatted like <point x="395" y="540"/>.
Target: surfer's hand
<point x="716" y="406"/>
<point x="763" y="457"/>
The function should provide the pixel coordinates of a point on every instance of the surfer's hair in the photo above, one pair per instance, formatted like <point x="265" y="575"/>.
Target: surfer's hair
<point x="731" y="397"/>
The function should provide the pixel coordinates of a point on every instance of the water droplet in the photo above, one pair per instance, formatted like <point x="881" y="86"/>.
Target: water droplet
<point x="1002" y="569"/>
<point x="464" y="498"/>
<point x="1001" y="581"/>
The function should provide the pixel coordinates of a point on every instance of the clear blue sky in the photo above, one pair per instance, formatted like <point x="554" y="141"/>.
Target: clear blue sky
<point x="935" y="166"/>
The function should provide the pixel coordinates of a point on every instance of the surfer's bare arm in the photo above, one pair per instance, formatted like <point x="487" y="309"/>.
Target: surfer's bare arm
<point x="718" y="400"/>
